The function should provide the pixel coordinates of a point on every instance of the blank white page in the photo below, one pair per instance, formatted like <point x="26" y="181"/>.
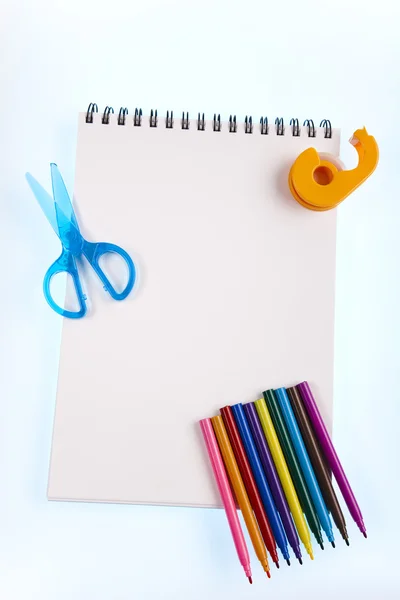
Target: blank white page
<point x="235" y="296"/>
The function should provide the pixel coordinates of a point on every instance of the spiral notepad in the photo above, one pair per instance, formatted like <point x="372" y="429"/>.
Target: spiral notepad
<point x="235" y="295"/>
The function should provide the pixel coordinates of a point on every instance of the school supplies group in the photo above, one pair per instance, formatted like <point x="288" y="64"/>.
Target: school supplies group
<point x="277" y="455"/>
<point x="206" y="208"/>
<point x="203" y="208"/>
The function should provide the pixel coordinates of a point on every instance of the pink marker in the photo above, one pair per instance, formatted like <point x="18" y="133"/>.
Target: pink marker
<point x="226" y="495"/>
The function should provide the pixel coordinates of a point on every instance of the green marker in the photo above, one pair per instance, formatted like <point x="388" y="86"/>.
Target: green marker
<point x="293" y="466"/>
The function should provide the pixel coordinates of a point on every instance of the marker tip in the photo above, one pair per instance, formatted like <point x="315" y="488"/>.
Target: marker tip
<point x="333" y="544"/>
<point x="347" y="541"/>
<point x="250" y="580"/>
<point x="300" y="561"/>
<point x="365" y="534"/>
<point x="266" y="569"/>
<point x="322" y="546"/>
<point x="288" y="561"/>
<point x="277" y="564"/>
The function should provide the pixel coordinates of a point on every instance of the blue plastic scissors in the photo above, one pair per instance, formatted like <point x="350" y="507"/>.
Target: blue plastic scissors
<point x="61" y="216"/>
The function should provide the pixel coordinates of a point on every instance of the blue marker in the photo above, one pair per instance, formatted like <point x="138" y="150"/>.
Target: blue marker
<point x="305" y="463"/>
<point x="261" y="481"/>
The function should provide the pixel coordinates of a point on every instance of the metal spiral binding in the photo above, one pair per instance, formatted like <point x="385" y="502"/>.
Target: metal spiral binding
<point x="153" y="118"/>
<point x="137" y="119"/>
<point x="122" y="116"/>
<point x="294" y="123"/>
<point x="92" y="108"/>
<point x="217" y="123"/>
<point x="280" y="126"/>
<point x="295" y="128"/>
<point x="328" y="128"/>
<point x="185" y="121"/>
<point x="311" y="128"/>
<point x="264" y="125"/>
<point x="106" y="115"/>
<point x="248" y="125"/>
<point x="169" y="120"/>
<point x="201" y="124"/>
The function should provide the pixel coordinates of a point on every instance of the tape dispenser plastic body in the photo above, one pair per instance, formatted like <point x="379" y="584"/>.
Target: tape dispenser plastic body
<point x="319" y="181"/>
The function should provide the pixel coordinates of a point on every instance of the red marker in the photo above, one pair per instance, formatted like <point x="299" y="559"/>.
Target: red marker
<point x="249" y="482"/>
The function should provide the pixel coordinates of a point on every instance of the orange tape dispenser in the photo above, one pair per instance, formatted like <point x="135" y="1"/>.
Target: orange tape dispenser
<point x="319" y="181"/>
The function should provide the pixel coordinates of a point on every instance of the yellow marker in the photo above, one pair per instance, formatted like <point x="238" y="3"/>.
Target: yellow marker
<point x="319" y="182"/>
<point x="284" y="475"/>
<point x="240" y="491"/>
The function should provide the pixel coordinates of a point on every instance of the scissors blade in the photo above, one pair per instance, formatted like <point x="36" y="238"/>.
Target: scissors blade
<point x="70" y="236"/>
<point x="45" y="201"/>
<point x="61" y="196"/>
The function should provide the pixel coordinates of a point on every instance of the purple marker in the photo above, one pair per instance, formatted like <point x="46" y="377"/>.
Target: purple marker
<point x="330" y="454"/>
<point x="272" y="478"/>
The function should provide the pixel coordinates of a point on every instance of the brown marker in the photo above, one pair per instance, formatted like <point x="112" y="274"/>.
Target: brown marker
<point x="317" y="459"/>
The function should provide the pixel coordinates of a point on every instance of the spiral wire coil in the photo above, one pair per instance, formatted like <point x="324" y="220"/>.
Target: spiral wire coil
<point x="248" y="125"/>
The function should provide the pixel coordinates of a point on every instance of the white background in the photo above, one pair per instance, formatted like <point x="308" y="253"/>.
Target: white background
<point x="335" y="60"/>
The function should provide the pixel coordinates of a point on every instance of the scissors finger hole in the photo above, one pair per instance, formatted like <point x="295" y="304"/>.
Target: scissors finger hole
<point x="63" y="293"/>
<point x="115" y="269"/>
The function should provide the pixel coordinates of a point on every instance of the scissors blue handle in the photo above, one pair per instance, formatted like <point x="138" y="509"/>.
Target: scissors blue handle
<point x="61" y="216"/>
<point x="66" y="263"/>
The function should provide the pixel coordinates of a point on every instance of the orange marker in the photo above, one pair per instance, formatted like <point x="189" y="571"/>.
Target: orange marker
<point x="240" y="491"/>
